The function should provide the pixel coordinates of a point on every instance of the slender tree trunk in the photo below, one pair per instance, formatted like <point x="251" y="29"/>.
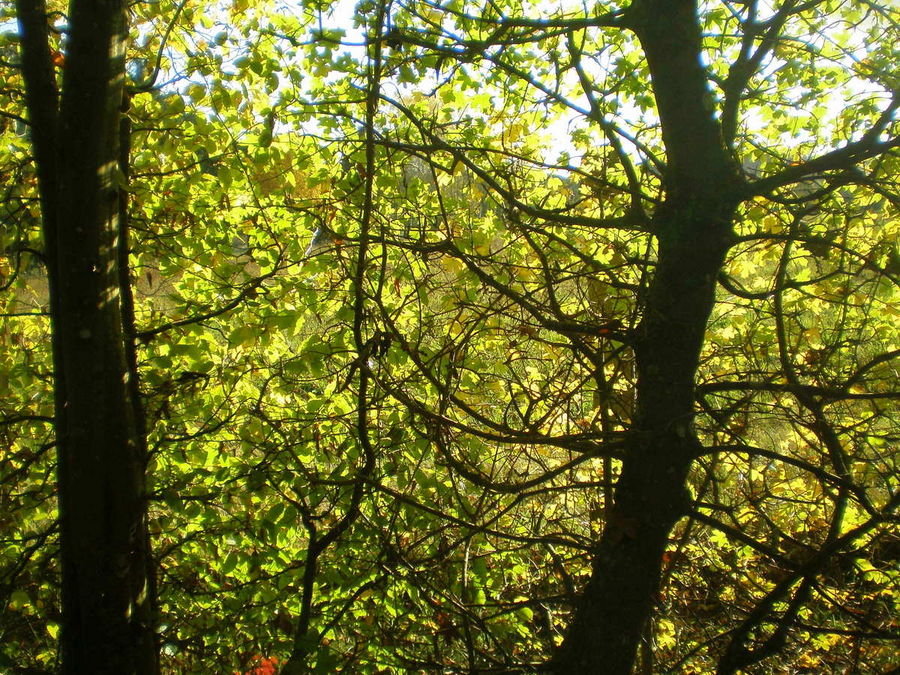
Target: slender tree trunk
<point x="693" y="229"/>
<point x="106" y="599"/>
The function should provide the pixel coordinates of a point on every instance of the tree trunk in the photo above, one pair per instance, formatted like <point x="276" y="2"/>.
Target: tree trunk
<point x="107" y="623"/>
<point x="693" y="228"/>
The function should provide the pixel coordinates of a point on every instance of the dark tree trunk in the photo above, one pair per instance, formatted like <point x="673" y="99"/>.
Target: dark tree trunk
<point x="107" y="620"/>
<point x="693" y="228"/>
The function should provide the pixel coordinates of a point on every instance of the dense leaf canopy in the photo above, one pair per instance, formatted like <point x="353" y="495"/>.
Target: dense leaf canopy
<point x="393" y="276"/>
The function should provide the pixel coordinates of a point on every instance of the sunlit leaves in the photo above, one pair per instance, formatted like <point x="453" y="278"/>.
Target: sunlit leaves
<point x="516" y="167"/>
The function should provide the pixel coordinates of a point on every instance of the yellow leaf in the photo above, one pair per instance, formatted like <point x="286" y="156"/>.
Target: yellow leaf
<point x="196" y="92"/>
<point x="514" y="133"/>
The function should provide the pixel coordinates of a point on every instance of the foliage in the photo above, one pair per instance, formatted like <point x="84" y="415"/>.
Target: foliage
<point x="388" y="272"/>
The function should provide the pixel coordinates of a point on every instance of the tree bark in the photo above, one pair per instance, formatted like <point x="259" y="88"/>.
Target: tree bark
<point x="693" y="230"/>
<point x="107" y="623"/>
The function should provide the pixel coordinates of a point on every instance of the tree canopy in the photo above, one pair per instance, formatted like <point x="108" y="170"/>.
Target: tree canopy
<point x="420" y="336"/>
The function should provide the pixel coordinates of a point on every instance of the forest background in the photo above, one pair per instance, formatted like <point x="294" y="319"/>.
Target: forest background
<point x="449" y="337"/>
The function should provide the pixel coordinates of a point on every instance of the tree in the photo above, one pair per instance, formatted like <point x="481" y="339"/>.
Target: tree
<point x="589" y="367"/>
<point x="106" y="578"/>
